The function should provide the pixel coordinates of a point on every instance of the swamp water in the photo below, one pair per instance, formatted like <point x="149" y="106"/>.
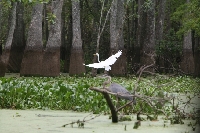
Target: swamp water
<point x="50" y="121"/>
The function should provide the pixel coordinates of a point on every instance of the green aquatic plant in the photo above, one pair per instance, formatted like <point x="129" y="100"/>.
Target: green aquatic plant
<point x="73" y="93"/>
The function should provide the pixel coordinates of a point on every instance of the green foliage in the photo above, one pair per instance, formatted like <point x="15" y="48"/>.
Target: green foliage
<point x="51" y="18"/>
<point x="188" y="15"/>
<point x="159" y="86"/>
<point x="170" y="47"/>
<point x="8" y="3"/>
<point x="73" y="93"/>
<point x="148" y="5"/>
<point x="54" y="93"/>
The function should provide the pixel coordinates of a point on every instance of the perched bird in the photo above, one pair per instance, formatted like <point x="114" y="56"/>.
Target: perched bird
<point x="107" y="63"/>
<point x="118" y="89"/>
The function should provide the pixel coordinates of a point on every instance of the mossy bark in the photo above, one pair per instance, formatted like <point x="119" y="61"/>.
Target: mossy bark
<point x="187" y="62"/>
<point x="32" y="63"/>
<point x="2" y="68"/>
<point x="76" y="62"/>
<point x="116" y="37"/>
<point x="119" y="68"/>
<point x="51" y="55"/>
<point x="32" y="60"/>
<point x="77" y="57"/>
<point x="18" y="43"/>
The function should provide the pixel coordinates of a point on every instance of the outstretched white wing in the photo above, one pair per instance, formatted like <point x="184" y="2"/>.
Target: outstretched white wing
<point x="106" y="64"/>
<point x="118" y="54"/>
<point x="112" y="59"/>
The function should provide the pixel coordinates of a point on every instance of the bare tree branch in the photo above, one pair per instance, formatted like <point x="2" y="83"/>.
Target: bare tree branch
<point x="81" y="123"/>
<point x="100" y="30"/>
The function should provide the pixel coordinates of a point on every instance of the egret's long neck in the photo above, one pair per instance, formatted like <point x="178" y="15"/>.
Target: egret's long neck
<point x="98" y="58"/>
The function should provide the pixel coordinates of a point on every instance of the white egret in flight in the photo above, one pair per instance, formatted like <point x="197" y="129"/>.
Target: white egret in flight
<point x="105" y="64"/>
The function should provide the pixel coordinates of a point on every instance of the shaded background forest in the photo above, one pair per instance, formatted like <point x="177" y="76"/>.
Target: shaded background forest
<point x="44" y="38"/>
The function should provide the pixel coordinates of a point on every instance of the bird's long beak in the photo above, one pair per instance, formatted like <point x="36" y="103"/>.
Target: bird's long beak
<point x="94" y="54"/>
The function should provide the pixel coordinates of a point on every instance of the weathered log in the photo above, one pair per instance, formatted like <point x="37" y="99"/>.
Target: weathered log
<point x="109" y="102"/>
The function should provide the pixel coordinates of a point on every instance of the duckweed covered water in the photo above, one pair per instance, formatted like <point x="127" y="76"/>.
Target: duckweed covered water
<point x="48" y="121"/>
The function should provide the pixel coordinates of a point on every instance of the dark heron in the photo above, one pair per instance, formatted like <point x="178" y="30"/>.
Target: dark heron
<point x="118" y="89"/>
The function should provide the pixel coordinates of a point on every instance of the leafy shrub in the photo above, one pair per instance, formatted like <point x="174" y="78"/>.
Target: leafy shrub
<point x="170" y="48"/>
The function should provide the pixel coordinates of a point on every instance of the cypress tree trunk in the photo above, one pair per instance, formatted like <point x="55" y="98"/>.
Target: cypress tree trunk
<point x="116" y="37"/>
<point x="161" y="6"/>
<point x="187" y="61"/>
<point x="196" y="56"/>
<point x="9" y="41"/>
<point x="15" y="43"/>
<point x="63" y="34"/>
<point x="68" y="45"/>
<point x="160" y="19"/>
<point x="33" y="54"/>
<point x="0" y="27"/>
<point x="149" y="41"/>
<point x="95" y="34"/>
<point x="2" y="63"/>
<point x="140" y="35"/>
<point x="51" y="57"/>
<point x="2" y="67"/>
<point x="133" y="52"/>
<point x="76" y="59"/>
<point x="18" y="42"/>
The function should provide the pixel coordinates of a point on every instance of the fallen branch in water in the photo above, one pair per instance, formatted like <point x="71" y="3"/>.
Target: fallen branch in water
<point x="147" y="99"/>
<point x="113" y="110"/>
<point x="81" y="123"/>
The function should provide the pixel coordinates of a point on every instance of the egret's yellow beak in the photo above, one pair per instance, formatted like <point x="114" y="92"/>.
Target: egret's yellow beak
<point x="94" y="54"/>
